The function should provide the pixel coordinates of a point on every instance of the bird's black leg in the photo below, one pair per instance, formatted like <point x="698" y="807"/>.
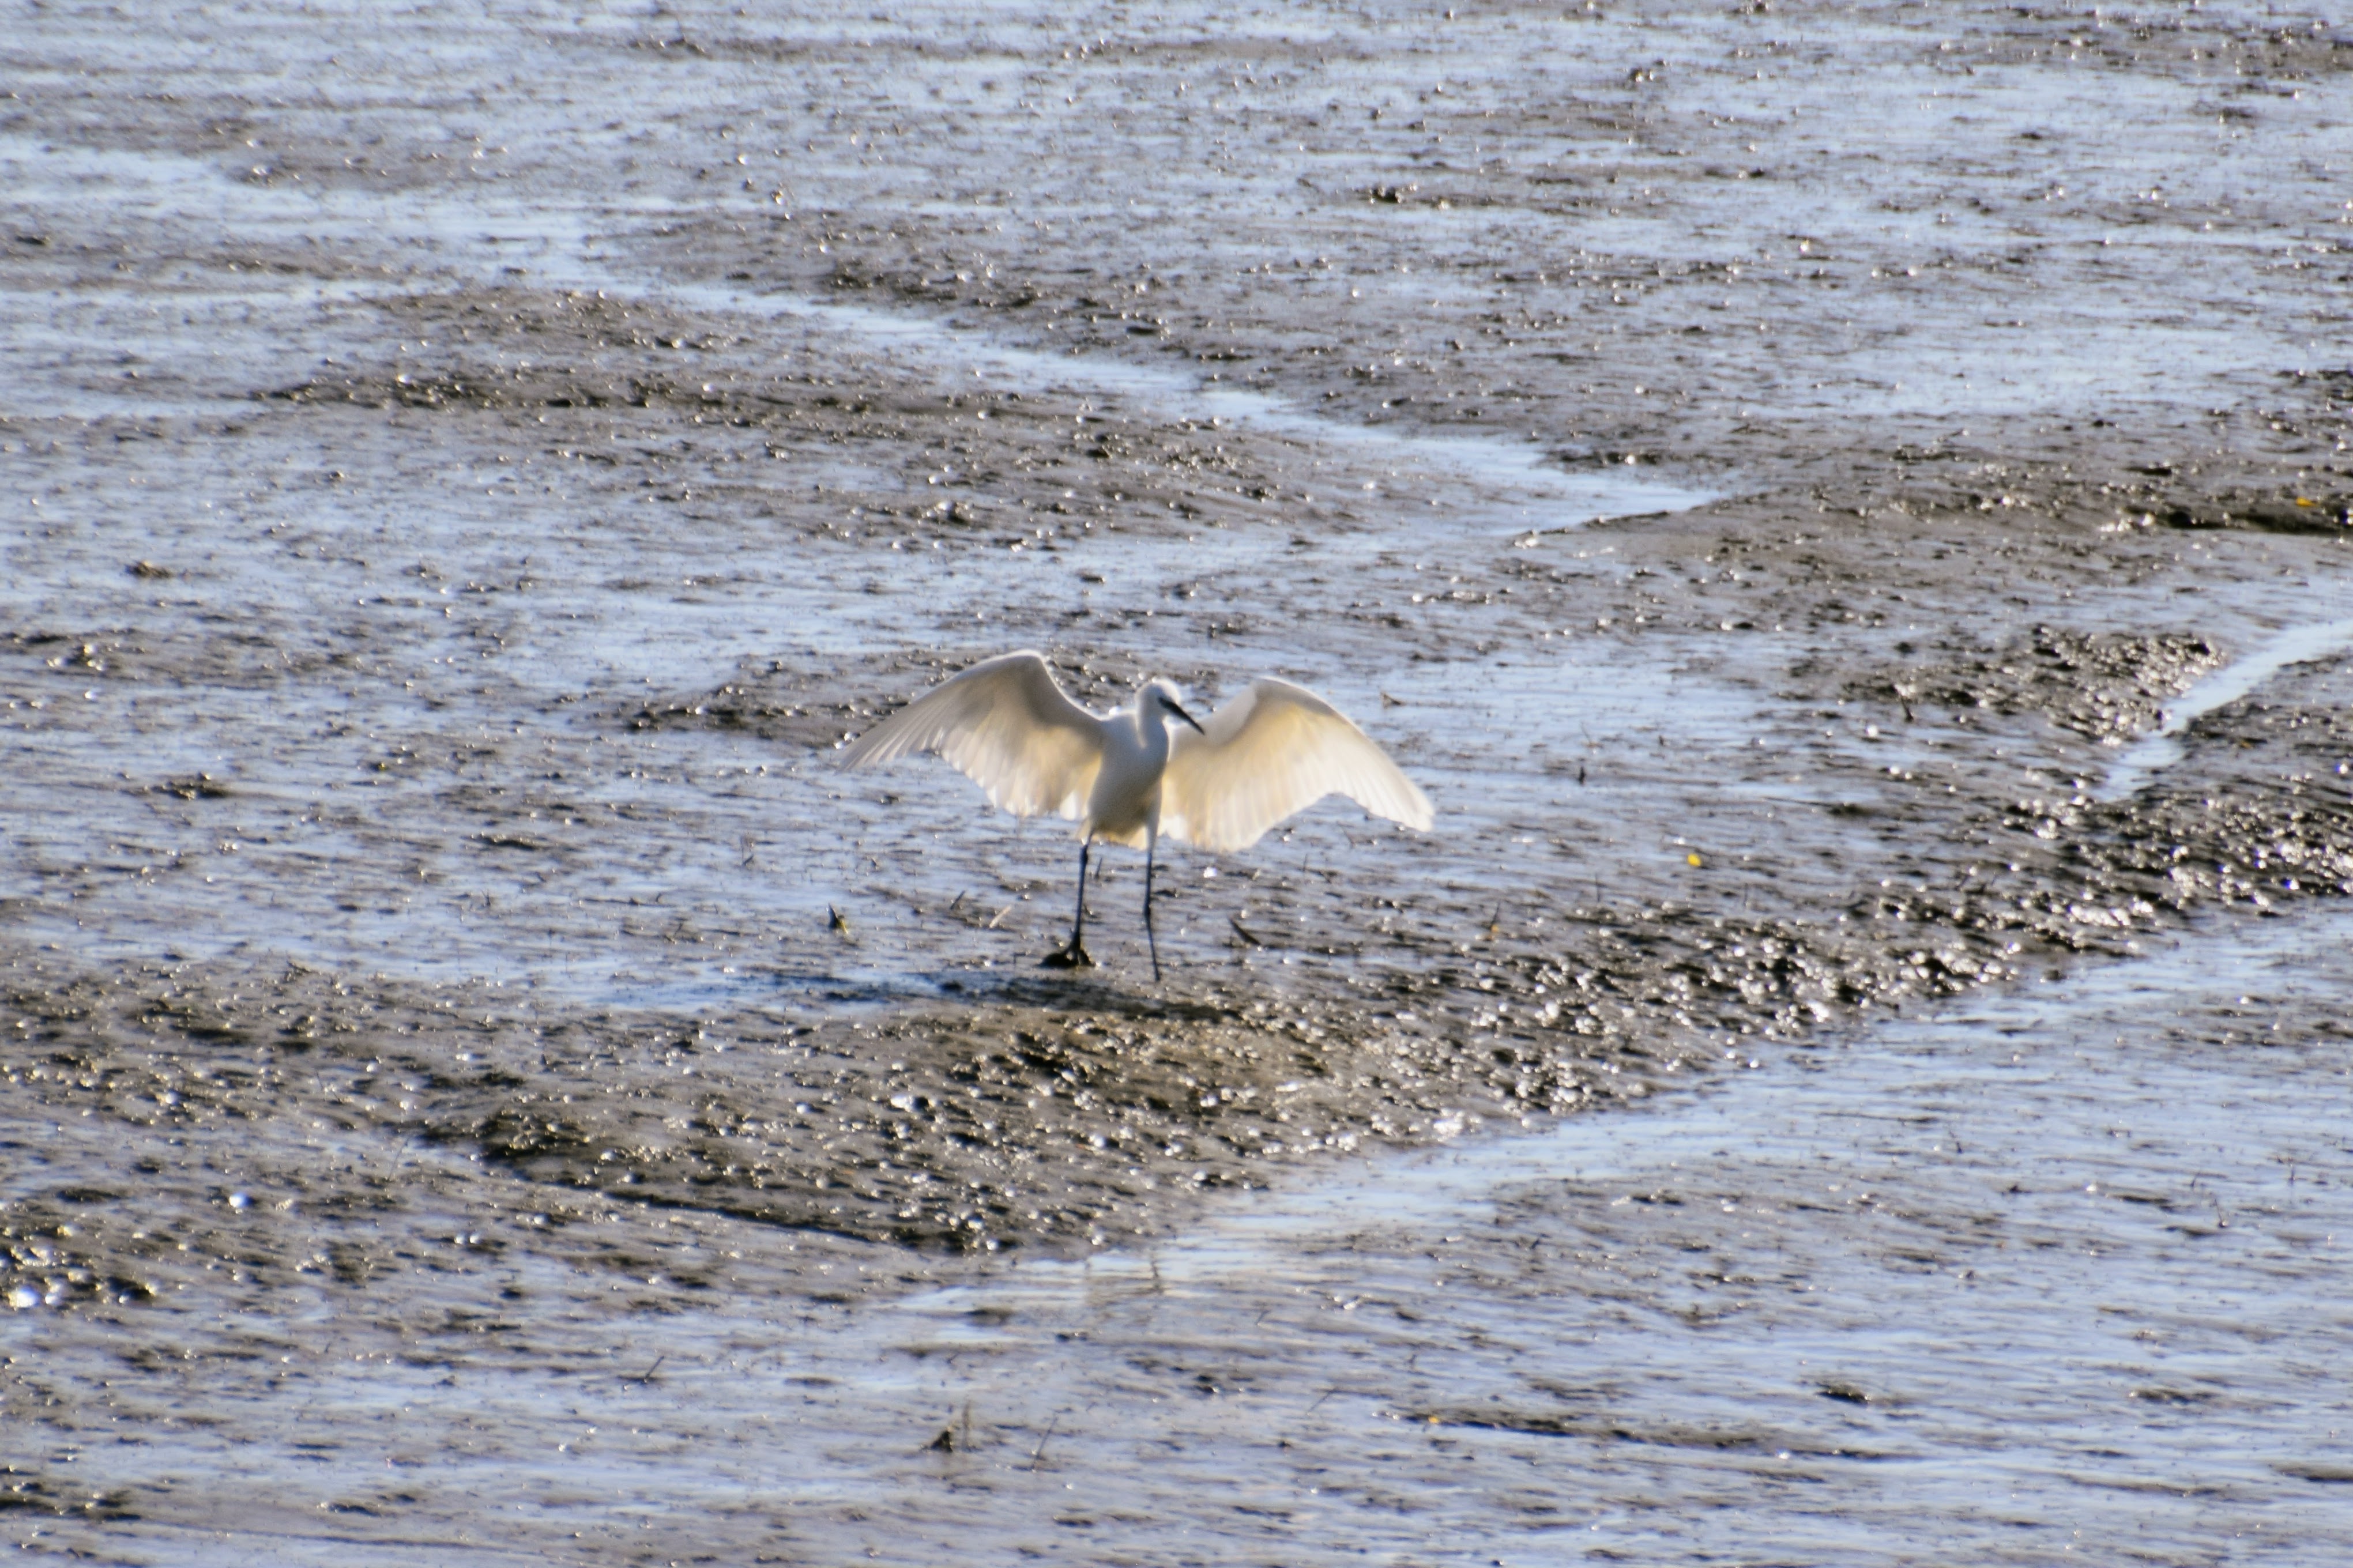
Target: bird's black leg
<point x="1151" y="843"/>
<point x="1074" y="956"/>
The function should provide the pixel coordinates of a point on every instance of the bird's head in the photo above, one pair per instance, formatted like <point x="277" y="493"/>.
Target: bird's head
<point x="1158" y="701"/>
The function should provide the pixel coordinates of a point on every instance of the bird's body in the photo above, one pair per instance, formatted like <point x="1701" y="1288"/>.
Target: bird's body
<point x="1130" y="776"/>
<point x="1124" y="806"/>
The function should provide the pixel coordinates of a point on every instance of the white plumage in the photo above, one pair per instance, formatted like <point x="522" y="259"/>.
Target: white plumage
<point x="1130" y="775"/>
<point x="1271" y="754"/>
<point x="1007" y="727"/>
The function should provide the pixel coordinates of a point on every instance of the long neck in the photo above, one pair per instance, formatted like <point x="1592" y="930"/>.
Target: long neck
<point x="1152" y="729"/>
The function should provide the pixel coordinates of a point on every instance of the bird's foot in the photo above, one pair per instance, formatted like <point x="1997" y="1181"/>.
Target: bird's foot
<point x="1074" y="956"/>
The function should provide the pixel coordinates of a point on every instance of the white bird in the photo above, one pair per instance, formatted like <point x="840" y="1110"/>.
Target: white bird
<point x="1130" y="775"/>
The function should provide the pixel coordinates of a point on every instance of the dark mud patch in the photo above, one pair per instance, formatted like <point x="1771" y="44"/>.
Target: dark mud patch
<point x="59" y="665"/>
<point x="1598" y="1426"/>
<point x="1059" y="1121"/>
<point x="998" y="463"/>
<point x="2107" y="686"/>
<point x="2322" y="515"/>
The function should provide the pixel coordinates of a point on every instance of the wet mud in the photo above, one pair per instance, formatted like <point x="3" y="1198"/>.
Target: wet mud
<point x="1846" y="515"/>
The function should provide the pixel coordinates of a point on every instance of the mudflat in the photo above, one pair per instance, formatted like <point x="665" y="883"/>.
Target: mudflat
<point x="1845" y="512"/>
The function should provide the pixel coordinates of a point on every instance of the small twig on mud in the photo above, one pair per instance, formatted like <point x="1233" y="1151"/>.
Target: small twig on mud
<point x="1039" y="1452"/>
<point x="647" y="1376"/>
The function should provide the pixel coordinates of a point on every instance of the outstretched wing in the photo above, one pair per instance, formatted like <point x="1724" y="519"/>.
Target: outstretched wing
<point x="1010" y="730"/>
<point x="1275" y="750"/>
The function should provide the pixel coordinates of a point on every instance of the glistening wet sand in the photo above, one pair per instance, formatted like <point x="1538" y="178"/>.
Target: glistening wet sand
<point x="1845" y="512"/>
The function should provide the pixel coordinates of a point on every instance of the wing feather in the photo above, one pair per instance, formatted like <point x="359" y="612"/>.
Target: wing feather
<point x="1007" y="727"/>
<point x="1274" y="751"/>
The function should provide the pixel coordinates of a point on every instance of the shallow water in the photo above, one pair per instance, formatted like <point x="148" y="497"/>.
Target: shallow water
<point x="2162" y="747"/>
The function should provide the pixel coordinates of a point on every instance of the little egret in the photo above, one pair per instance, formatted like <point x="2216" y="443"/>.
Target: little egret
<point x="1130" y="775"/>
